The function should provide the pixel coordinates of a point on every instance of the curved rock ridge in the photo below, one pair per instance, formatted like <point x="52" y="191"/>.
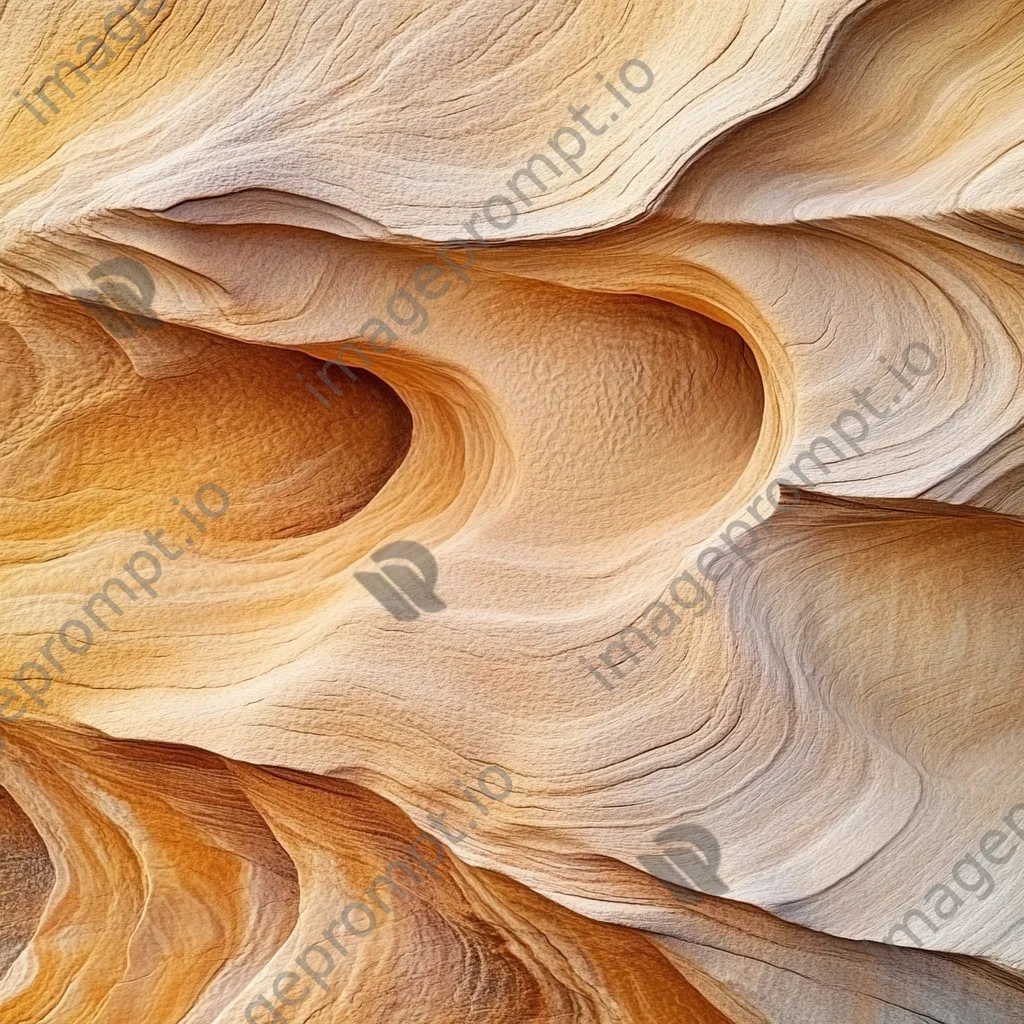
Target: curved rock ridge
<point x="512" y="514"/>
<point x="285" y="854"/>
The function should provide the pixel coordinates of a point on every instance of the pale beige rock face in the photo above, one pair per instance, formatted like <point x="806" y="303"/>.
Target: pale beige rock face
<point x="807" y="195"/>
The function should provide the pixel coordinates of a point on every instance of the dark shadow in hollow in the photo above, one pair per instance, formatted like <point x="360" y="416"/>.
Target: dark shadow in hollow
<point x="26" y="878"/>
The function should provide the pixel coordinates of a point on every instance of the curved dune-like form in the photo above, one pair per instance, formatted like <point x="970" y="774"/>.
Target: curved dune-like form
<point x="512" y="514"/>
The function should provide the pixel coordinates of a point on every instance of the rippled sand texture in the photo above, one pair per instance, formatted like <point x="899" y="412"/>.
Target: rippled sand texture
<point x="807" y="189"/>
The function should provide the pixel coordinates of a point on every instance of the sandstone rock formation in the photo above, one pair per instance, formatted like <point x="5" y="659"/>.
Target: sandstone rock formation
<point x="710" y="417"/>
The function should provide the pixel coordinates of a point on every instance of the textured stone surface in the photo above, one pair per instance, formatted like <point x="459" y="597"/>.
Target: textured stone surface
<point x="808" y="196"/>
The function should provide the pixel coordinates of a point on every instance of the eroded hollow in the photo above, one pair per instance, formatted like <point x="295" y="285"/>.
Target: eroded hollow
<point x="102" y="433"/>
<point x="26" y="878"/>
